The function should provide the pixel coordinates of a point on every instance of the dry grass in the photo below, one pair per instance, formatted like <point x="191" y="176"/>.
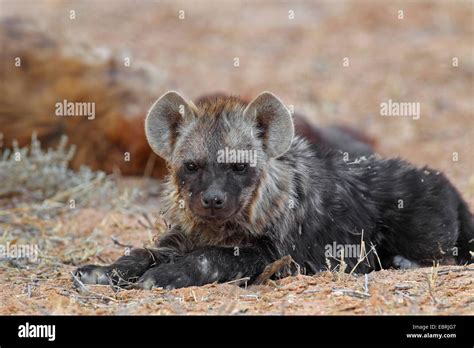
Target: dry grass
<point x="101" y="234"/>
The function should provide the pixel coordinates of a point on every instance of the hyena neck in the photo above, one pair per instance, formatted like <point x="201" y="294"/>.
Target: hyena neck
<point x="275" y="203"/>
<point x="279" y="200"/>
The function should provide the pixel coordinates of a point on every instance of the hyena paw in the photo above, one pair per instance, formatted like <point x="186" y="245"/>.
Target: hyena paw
<point x="403" y="263"/>
<point x="167" y="276"/>
<point x="92" y="274"/>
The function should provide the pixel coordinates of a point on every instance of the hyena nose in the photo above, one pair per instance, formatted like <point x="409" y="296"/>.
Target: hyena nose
<point x="213" y="199"/>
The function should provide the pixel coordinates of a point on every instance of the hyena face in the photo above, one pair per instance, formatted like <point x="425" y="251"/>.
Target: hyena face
<point x="215" y="164"/>
<point x="218" y="150"/>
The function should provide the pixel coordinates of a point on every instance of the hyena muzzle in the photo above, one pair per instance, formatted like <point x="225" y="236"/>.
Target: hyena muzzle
<point x="244" y="191"/>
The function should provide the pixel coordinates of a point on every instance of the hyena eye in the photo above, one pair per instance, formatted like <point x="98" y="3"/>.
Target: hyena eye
<point x="190" y="167"/>
<point x="239" y="167"/>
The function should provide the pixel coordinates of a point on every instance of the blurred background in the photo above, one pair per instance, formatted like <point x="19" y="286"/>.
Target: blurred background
<point x="334" y="61"/>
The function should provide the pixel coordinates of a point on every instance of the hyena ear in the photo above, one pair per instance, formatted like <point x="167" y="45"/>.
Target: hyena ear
<point x="273" y="119"/>
<point x="163" y="122"/>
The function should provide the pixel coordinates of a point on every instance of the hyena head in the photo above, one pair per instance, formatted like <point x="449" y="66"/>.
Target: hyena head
<point x="218" y="150"/>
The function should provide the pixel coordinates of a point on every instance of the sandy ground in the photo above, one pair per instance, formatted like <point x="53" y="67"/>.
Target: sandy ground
<point x="101" y="234"/>
<point x="301" y="60"/>
<point x="85" y="236"/>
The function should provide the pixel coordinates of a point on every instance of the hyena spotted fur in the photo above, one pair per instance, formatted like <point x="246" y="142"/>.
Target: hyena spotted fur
<point x="229" y="220"/>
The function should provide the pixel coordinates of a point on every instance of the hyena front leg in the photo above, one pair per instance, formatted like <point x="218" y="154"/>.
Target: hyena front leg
<point x="126" y="269"/>
<point x="129" y="268"/>
<point x="204" y="266"/>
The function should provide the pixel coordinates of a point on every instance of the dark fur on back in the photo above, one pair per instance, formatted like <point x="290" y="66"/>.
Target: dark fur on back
<point x="306" y="201"/>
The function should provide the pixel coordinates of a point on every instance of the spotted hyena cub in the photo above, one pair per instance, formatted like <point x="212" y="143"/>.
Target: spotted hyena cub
<point x="244" y="191"/>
